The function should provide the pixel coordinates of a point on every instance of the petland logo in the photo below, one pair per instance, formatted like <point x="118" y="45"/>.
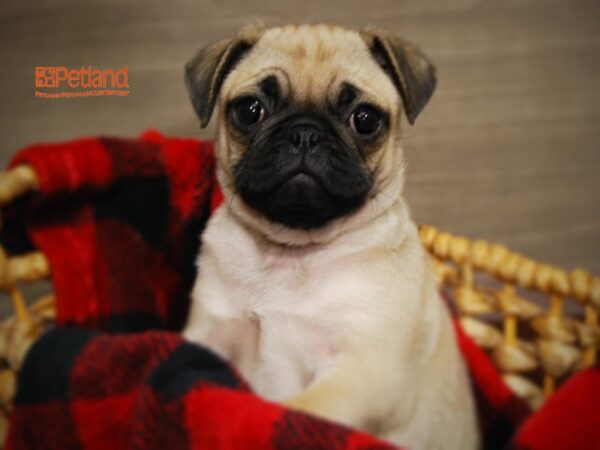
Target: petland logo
<point x="60" y="82"/>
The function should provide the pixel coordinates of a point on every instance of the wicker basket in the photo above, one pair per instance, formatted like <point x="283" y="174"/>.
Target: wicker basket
<point x="538" y="322"/>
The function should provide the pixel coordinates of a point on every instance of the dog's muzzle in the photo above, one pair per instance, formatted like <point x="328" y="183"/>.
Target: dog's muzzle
<point x="302" y="174"/>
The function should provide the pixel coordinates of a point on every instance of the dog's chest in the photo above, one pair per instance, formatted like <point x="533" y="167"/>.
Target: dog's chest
<point x="294" y="313"/>
<point x="291" y="308"/>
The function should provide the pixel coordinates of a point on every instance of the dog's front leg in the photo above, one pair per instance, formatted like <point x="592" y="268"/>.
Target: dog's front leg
<point x="342" y="394"/>
<point x="233" y="338"/>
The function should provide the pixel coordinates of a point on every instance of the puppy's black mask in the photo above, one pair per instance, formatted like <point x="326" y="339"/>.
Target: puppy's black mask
<point x="302" y="168"/>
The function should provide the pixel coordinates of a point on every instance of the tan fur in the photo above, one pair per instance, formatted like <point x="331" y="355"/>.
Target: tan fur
<point x="343" y="321"/>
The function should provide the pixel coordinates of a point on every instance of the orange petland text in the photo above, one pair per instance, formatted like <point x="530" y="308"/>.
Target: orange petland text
<point x="62" y="82"/>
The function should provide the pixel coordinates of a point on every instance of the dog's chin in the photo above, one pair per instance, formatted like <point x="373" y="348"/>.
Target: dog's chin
<point x="302" y="202"/>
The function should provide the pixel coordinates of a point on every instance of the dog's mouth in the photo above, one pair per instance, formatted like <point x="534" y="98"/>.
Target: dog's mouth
<point x="301" y="180"/>
<point x="302" y="197"/>
<point x="297" y="199"/>
<point x="267" y="177"/>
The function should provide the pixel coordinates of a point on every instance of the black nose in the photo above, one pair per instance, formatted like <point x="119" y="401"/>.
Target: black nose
<point x="305" y="137"/>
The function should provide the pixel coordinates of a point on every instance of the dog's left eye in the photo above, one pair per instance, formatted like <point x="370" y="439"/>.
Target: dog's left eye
<point x="248" y="111"/>
<point x="365" y="120"/>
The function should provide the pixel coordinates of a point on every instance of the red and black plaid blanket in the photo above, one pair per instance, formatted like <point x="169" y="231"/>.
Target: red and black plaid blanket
<point x="119" y="221"/>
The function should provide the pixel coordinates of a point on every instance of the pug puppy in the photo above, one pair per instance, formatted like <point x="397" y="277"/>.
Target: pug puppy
<point x="312" y="280"/>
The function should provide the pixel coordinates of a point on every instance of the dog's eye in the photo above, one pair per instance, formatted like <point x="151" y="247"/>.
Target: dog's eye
<point x="365" y="120"/>
<point x="249" y="111"/>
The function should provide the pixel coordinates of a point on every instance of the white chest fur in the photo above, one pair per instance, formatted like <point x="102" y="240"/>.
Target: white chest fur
<point x="364" y="306"/>
<point x="280" y="314"/>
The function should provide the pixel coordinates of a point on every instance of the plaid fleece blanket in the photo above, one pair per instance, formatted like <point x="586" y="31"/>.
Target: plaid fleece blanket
<point x="119" y="221"/>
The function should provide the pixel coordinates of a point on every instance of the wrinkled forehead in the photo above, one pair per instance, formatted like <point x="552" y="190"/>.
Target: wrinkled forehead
<point x="311" y="63"/>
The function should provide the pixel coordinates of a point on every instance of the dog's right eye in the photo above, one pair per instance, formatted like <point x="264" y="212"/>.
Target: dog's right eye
<point x="248" y="111"/>
<point x="365" y="120"/>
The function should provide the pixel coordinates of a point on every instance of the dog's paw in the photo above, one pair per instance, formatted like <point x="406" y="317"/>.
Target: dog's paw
<point x="299" y="402"/>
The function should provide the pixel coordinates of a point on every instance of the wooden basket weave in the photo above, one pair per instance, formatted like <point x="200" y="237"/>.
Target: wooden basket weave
<point x="538" y="322"/>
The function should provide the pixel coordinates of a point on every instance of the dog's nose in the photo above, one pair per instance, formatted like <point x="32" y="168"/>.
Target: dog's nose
<point x="305" y="137"/>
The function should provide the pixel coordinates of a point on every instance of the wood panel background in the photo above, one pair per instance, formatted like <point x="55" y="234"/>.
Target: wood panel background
<point x="507" y="150"/>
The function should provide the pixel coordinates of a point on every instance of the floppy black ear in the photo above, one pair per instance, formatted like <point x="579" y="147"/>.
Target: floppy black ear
<point x="410" y="70"/>
<point x="205" y="72"/>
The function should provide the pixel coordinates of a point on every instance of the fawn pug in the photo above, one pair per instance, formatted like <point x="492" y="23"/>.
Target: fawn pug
<point x="312" y="279"/>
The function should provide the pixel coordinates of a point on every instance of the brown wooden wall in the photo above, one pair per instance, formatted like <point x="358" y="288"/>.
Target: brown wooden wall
<point x="507" y="150"/>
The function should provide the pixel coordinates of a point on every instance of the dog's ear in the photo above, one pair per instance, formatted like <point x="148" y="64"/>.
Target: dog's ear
<point x="205" y="72"/>
<point x="410" y="70"/>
